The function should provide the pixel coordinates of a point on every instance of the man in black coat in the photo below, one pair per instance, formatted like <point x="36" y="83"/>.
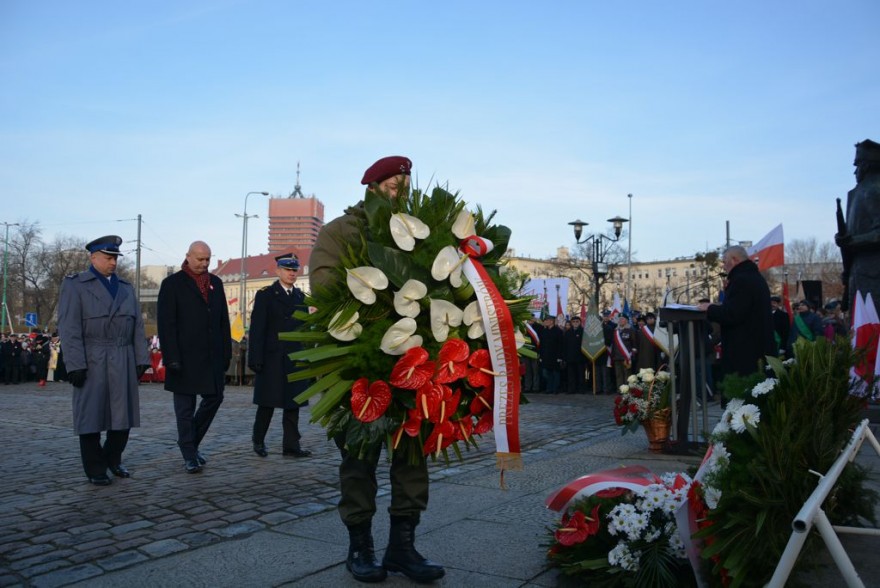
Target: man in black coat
<point x="268" y="357"/>
<point x="551" y="354"/>
<point x="575" y="360"/>
<point x="744" y="316"/>
<point x="194" y="333"/>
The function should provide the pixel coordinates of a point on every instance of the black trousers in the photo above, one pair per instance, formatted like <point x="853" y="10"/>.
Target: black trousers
<point x="192" y="424"/>
<point x="358" y="486"/>
<point x="96" y="458"/>
<point x="289" y="424"/>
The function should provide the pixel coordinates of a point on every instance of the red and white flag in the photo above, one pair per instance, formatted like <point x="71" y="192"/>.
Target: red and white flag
<point x="616" y="308"/>
<point x="769" y="251"/>
<point x="865" y="335"/>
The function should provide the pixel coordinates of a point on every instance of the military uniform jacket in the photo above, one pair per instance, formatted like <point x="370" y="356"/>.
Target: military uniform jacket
<point x="104" y="335"/>
<point x="193" y="333"/>
<point x="273" y="314"/>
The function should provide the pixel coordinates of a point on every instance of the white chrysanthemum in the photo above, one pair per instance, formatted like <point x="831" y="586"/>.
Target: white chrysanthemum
<point x="721" y="428"/>
<point x="711" y="495"/>
<point x="618" y="518"/>
<point x="652" y="535"/>
<point x="789" y="362"/>
<point x="764" y="387"/>
<point x="748" y="414"/>
<point x="676" y="545"/>
<point x="622" y="557"/>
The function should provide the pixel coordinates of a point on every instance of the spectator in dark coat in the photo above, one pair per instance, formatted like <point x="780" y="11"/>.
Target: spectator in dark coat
<point x="193" y="323"/>
<point x="550" y="355"/>
<point x="744" y="316"/>
<point x="781" y="323"/>
<point x="807" y="325"/>
<point x="575" y="361"/>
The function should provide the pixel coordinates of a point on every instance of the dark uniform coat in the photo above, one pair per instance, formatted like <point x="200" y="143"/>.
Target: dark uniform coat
<point x="104" y="335"/>
<point x="746" y="320"/>
<point x="273" y="314"/>
<point x="193" y="333"/>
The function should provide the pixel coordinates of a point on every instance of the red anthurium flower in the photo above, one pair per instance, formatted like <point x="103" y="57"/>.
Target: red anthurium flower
<point x="448" y="404"/>
<point x="482" y="402"/>
<point x="428" y="399"/>
<point x="413" y="370"/>
<point x="578" y="527"/>
<point x="463" y="428"/>
<point x="480" y="374"/>
<point x="485" y="423"/>
<point x="369" y="401"/>
<point x="452" y="361"/>
<point x="413" y="422"/>
<point x="440" y="438"/>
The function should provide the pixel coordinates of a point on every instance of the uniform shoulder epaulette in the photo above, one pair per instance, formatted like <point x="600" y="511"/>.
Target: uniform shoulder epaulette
<point x="73" y="275"/>
<point x="264" y="288"/>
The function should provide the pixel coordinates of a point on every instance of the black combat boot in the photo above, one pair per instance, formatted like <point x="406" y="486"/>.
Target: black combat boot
<point x="361" y="560"/>
<point x="401" y="555"/>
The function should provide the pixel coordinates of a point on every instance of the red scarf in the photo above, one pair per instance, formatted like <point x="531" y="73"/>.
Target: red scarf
<point x="203" y="281"/>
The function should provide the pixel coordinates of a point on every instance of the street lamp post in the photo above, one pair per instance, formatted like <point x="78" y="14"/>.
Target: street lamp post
<point x="244" y="219"/>
<point x="600" y="243"/>
<point x="5" y="272"/>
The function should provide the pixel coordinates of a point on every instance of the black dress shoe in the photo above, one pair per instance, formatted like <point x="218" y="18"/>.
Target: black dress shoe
<point x="120" y="471"/>
<point x="200" y="457"/>
<point x="100" y="480"/>
<point x="298" y="452"/>
<point x="260" y="449"/>
<point x="192" y="466"/>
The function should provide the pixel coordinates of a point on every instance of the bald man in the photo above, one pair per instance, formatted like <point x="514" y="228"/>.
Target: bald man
<point x="196" y="345"/>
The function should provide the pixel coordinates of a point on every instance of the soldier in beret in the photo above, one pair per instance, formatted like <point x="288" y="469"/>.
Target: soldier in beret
<point x="105" y="350"/>
<point x="268" y="357"/>
<point x="357" y="477"/>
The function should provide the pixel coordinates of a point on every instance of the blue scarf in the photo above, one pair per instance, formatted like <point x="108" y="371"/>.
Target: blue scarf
<point x="111" y="283"/>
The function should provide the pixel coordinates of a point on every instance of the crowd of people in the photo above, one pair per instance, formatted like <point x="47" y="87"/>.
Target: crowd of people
<point x="31" y="357"/>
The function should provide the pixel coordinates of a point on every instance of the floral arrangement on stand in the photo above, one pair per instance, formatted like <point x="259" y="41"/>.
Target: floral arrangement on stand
<point x="625" y="532"/>
<point x="402" y="346"/>
<point x="757" y="473"/>
<point x="644" y="400"/>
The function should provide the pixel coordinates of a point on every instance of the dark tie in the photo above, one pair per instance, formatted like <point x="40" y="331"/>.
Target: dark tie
<point x="289" y="292"/>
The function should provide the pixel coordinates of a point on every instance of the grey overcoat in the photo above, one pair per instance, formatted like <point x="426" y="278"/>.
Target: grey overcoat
<point x="104" y="335"/>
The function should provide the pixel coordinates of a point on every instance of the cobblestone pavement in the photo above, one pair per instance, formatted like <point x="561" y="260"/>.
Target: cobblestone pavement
<point x="57" y="529"/>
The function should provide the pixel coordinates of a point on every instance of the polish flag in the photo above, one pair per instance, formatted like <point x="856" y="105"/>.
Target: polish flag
<point x="616" y="309"/>
<point x="865" y="334"/>
<point x="769" y="251"/>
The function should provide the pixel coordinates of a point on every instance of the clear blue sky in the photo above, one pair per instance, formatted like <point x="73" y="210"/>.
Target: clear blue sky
<point x="548" y="111"/>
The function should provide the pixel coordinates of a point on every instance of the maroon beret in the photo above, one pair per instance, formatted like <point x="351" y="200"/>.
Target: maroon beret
<point x="385" y="168"/>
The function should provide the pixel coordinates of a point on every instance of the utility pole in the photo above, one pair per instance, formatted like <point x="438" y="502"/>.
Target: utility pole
<point x="3" y="313"/>
<point x="137" y="269"/>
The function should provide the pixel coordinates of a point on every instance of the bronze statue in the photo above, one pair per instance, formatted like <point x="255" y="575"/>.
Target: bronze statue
<point x="859" y="235"/>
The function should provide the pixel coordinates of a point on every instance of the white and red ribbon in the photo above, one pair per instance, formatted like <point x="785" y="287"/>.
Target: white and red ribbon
<point x="501" y="342"/>
<point x="628" y="477"/>
<point x="649" y="334"/>
<point x="618" y="342"/>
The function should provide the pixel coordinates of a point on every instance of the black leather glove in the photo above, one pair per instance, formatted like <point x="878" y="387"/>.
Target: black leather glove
<point x="256" y="368"/>
<point x="141" y="370"/>
<point x="77" y="378"/>
<point x="174" y="366"/>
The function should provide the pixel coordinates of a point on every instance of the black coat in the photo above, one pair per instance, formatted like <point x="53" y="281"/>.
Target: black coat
<point x="273" y="314"/>
<point x="194" y="334"/>
<point x="745" y="319"/>
<point x="572" y="339"/>
<point x="551" y="350"/>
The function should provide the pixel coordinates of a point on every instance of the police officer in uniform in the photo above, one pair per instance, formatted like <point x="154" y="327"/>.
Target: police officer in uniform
<point x="268" y="357"/>
<point x="105" y="350"/>
<point x="357" y="476"/>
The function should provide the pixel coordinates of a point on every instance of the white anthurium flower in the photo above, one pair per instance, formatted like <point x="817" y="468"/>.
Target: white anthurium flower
<point x="405" y="229"/>
<point x="463" y="226"/>
<point x="406" y="300"/>
<point x="349" y="331"/>
<point x="447" y="264"/>
<point x="400" y="337"/>
<point x="473" y="319"/>
<point x="444" y="314"/>
<point x="362" y="281"/>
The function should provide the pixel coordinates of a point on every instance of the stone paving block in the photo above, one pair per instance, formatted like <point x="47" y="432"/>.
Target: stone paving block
<point x="27" y="551"/>
<point x="122" y="560"/>
<point x="44" y="568"/>
<point x="88" y="528"/>
<point x="8" y="581"/>
<point x="66" y="576"/>
<point x="199" y="539"/>
<point x="93" y="553"/>
<point x="307" y="509"/>
<point x="212" y="524"/>
<point x="163" y="547"/>
<point x="244" y="515"/>
<point x="275" y="518"/>
<point x="40" y="559"/>
<point x="132" y="526"/>
<point x="239" y="529"/>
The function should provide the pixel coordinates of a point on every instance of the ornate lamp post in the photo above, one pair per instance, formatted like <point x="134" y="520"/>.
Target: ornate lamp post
<point x="244" y="219"/>
<point x="601" y="244"/>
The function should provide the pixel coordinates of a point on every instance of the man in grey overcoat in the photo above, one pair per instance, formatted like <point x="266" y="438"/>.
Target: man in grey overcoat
<point x="268" y="357"/>
<point x="193" y="323"/>
<point x="105" y="350"/>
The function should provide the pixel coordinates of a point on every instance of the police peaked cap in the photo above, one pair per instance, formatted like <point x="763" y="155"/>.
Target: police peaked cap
<point x="108" y="244"/>
<point x="385" y="168"/>
<point x="288" y="261"/>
